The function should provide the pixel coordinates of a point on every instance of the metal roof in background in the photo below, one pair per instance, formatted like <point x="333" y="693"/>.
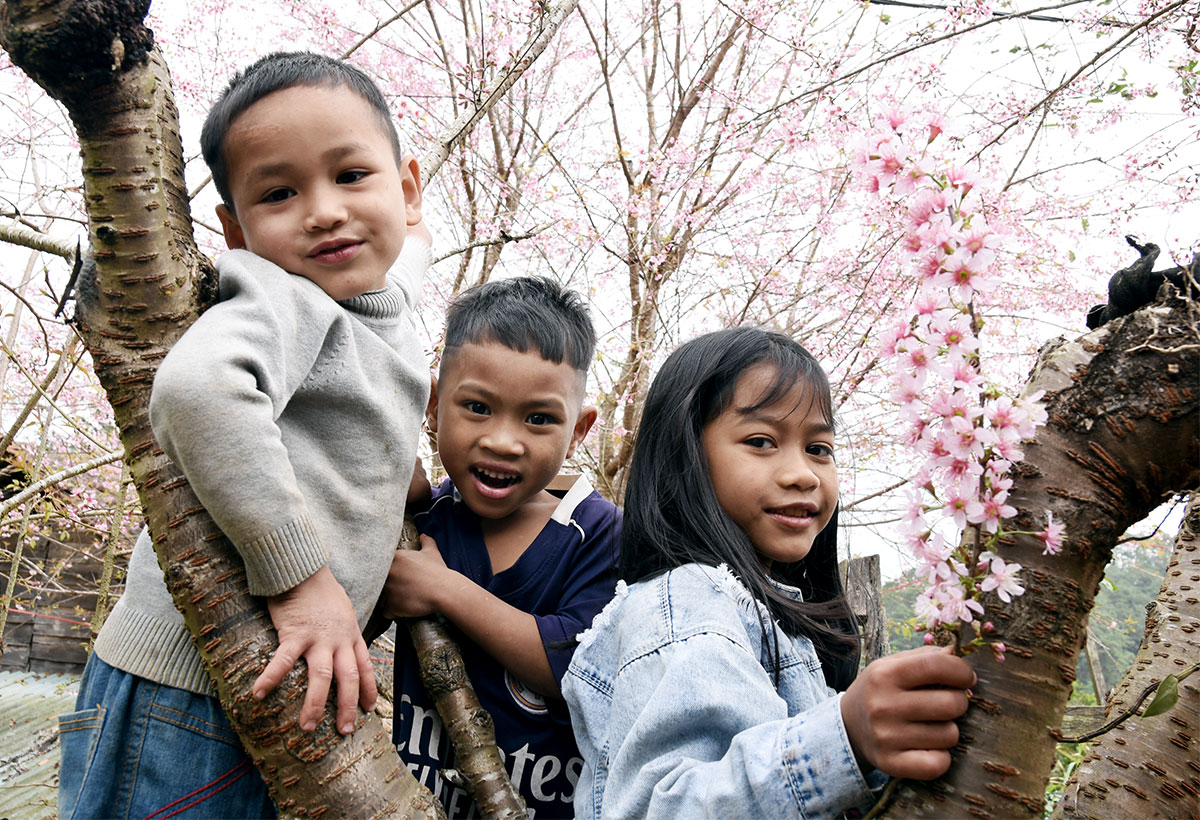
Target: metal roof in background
<point x="30" y="704"/>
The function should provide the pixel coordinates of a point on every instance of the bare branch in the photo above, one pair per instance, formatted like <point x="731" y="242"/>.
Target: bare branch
<point x="521" y="60"/>
<point x="33" y="240"/>
<point x="62" y="475"/>
<point x="380" y="27"/>
<point x="503" y="239"/>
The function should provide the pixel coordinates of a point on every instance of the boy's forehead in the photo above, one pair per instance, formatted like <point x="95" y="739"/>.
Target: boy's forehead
<point x="500" y="365"/>
<point x="298" y="95"/>
<point x="263" y="138"/>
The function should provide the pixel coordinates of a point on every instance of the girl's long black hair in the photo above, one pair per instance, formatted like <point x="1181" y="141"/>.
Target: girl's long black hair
<point x="672" y="516"/>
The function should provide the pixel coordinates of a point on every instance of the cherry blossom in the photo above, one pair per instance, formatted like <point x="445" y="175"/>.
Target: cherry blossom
<point x="968" y="432"/>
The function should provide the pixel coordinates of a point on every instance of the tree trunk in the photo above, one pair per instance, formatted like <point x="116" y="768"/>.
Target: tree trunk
<point x="1123" y="434"/>
<point x="1147" y="767"/>
<point x="149" y="283"/>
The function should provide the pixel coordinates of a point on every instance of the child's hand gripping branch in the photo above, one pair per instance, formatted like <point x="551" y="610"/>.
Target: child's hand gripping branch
<point x="316" y="621"/>
<point x="419" y="583"/>
<point x="900" y="711"/>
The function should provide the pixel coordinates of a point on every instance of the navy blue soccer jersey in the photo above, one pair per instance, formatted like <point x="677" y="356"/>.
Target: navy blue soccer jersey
<point x="563" y="579"/>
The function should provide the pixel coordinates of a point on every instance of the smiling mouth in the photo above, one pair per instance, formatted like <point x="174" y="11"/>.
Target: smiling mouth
<point x="335" y="253"/>
<point x="793" y="516"/>
<point x="493" y="479"/>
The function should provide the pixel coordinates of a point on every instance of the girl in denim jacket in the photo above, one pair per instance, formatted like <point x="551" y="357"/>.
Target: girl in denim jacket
<point x="720" y="682"/>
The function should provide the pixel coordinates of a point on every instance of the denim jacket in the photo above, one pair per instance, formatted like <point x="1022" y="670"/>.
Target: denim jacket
<point x="674" y="706"/>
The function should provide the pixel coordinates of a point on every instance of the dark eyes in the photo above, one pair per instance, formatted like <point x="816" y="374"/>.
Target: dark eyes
<point x="478" y="408"/>
<point x="764" y="443"/>
<point x="344" y="178"/>
<point x="821" y="450"/>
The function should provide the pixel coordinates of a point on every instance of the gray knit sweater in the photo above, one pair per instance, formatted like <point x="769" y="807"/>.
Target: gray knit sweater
<point x="295" y="418"/>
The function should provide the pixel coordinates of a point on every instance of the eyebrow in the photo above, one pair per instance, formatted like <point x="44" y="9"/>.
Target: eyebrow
<point x="276" y="168"/>
<point x="758" y="417"/>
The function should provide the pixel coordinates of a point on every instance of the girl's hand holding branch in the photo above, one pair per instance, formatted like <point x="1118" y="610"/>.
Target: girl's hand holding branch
<point x="900" y="711"/>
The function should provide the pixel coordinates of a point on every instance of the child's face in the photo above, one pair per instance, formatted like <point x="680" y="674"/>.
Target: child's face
<point x="773" y="469"/>
<point x="505" y="422"/>
<point x="316" y="190"/>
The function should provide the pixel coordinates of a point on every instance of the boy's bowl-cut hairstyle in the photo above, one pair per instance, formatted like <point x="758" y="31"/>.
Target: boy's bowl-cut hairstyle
<point x="276" y="72"/>
<point x="672" y="515"/>
<point x="523" y="314"/>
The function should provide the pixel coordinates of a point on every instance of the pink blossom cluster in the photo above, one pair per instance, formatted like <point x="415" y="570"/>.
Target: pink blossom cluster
<point x="966" y="433"/>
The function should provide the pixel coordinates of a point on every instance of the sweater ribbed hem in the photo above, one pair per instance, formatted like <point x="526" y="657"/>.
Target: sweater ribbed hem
<point x="151" y="648"/>
<point x="281" y="559"/>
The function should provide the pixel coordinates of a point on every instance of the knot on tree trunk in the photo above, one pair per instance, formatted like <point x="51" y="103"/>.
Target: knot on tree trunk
<point x="73" y="50"/>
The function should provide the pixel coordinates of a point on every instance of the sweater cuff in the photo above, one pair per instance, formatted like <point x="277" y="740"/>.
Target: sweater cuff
<point x="281" y="559"/>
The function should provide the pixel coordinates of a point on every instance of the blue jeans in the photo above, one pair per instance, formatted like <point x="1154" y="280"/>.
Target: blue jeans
<point x="138" y="750"/>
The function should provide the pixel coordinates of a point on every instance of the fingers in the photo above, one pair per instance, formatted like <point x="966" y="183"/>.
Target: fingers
<point x="320" y="674"/>
<point x="918" y="764"/>
<point x="928" y="705"/>
<point x="929" y="666"/>
<point x="352" y="671"/>
<point x="367" y="689"/>
<point x="348" y="679"/>
<point x="914" y="736"/>
<point x="280" y="664"/>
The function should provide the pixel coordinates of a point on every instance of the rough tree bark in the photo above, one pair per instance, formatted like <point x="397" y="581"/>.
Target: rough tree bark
<point x="148" y="284"/>
<point x="1123" y="434"/>
<point x="1148" y="767"/>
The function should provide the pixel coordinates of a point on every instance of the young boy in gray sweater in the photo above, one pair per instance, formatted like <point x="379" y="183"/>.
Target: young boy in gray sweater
<point x="293" y="406"/>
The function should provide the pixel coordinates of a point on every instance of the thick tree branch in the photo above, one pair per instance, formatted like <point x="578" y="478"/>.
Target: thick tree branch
<point x="1152" y="758"/>
<point x="1123" y="434"/>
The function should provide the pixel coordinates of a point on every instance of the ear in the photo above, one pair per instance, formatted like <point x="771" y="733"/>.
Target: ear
<point x="232" y="228"/>
<point x="587" y="417"/>
<point x="410" y="183"/>
<point x="432" y="407"/>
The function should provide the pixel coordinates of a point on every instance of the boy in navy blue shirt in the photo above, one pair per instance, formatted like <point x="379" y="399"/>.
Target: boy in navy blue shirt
<point x="518" y="563"/>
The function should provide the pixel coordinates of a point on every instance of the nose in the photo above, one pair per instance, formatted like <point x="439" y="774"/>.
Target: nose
<point x="326" y="211"/>
<point x="796" y="471"/>
<point x="502" y="438"/>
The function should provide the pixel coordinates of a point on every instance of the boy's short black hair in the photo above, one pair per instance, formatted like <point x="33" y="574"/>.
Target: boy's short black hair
<point x="275" y="72"/>
<point x="524" y="313"/>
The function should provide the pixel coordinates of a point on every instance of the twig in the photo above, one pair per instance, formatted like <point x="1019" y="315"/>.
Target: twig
<point x="1125" y="715"/>
<point x="35" y="397"/>
<point x="503" y="239"/>
<point x="885" y="798"/>
<point x="49" y="399"/>
<point x="884" y="491"/>
<point x="1046" y="100"/>
<point x="62" y="475"/>
<point x="552" y="18"/>
<point x="380" y="27"/>
<point x="1151" y="535"/>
